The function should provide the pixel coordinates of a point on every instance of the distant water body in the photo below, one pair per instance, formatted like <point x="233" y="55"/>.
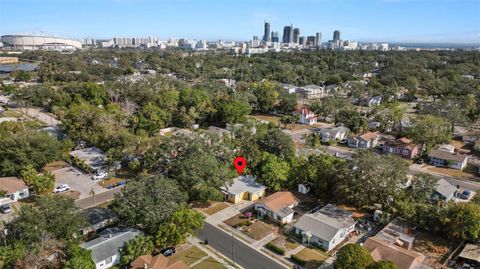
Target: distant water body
<point x="437" y="45"/>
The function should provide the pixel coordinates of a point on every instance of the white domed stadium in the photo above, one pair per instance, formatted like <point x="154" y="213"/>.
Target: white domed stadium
<point x="34" y="42"/>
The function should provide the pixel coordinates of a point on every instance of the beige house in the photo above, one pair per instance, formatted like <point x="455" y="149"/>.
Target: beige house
<point x="244" y="188"/>
<point x="15" y="189"/>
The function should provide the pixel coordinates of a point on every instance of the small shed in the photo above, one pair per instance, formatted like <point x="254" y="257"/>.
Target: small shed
<point x="304" y="187"/>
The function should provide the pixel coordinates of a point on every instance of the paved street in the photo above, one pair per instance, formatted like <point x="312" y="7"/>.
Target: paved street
<point x="99" y="199"/>
<point x="466" y="184"/>
<point x="244" y="255"/>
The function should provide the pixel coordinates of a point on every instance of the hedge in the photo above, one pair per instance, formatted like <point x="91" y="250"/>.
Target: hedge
<point x="275" y="248"/>
<point x="297" y="259"/>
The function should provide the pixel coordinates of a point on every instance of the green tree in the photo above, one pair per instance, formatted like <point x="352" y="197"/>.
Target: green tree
<point x="235" y="111"/>
<point x="430" y="131"/>
<point x="353" y="120"/>
<point x="140" y="245"/>
<point x="159" y="195"/>
<point x="182" y="223"/>
<point x="353" y="256"/>
<point x="462" y="220"/>
<point x="383" y="265"/>
<point x="266" y="96"/>
<point x="274" y="172"/>
<point x="78" y="257"/>
<point x="42" y="184"/>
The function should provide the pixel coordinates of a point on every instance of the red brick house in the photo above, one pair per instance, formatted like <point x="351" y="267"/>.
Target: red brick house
<point x="402" y="147"/>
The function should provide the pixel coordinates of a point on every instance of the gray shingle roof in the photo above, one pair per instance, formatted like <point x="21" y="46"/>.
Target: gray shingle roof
<point x="445" y="188"/>
<point x="445" y="155"/>
<point x="109" y="243"/>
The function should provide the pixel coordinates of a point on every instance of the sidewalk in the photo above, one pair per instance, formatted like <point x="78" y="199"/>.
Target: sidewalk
<point x="211" y="253"/>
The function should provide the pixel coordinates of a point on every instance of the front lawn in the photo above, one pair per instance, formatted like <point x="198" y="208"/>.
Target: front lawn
<point x="189" y="255"/>
<point x="236" y="220"/>
<point x="285" y="242"/>
<point x="215" y="208"/>
<point x="314" y="257"/>
<point x="258" y="230"/>
<point x="209" y="263"/>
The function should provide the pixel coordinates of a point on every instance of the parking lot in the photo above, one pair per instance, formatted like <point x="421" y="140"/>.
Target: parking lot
<point x="77" y="180"/>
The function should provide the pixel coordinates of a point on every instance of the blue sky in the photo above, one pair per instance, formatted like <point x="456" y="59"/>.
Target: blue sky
<point x="453" y="21"/>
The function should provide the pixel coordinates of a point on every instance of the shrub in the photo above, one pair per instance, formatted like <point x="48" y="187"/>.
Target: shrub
<point x="277" y="249"/>
<point x="298" y="260"/>
<point x="243" y="223"/>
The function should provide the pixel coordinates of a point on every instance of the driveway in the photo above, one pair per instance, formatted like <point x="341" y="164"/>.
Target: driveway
<point x="77" y="181"/>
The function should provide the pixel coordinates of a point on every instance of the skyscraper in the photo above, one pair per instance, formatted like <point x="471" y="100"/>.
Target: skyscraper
<point x="302" y="41"/>
<point x="266" y="32"/>
<point x="318" y="39"/>
<point x="336" y="35"/>
<point x="275" y="36"/>
<point x="311" y="40"/>
<point x="296" y="35"/>
<point x="287" y="34"/>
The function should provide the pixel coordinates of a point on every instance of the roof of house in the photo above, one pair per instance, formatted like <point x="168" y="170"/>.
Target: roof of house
<point x="244" y="184"/>
<point x="369" y="135"/>
<point x="324" y="226"/>
<point x="447" y="147"/>
<point x="471" y="252"/>
<point x="12" y="184"/>
<point x="401" y="142"/>
<point x="382" y="250"/>
<point x="218" y="131"/>
<point x="303" y="111"/>
<point x="109" y="243"/>
<point x="157" y="262"/>
<point x="340" y="129"/>
<point x="445" y="188"/>
<point x="472" y="133"/>
<point x="96" y="215"/>
<point x="94" y="157"/>
<point x="279" y="200"/>
<point x="445" y="155"/>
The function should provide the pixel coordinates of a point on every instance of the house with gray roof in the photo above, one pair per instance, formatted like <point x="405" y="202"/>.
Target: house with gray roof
<point x="444" y="191"/>
<point x="106" y="248"/>
<point x="444" y="158"/>
<point x="326" y="228"/>
<point x="243" y="188"/>
<point x="93" y="157"/>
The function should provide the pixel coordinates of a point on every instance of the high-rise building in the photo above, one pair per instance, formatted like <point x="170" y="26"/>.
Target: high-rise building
<point x="318" y="39"/>
<point x="296" y="35"/>
<point x="336" y="35"/>
<point x="302" y="41"/>
<point x="287" y="34"/>
<point x="311" y="40"/>
<point x="266" y="32"/>
<point x="255" y="42"/>
<point x="275" y="37"/>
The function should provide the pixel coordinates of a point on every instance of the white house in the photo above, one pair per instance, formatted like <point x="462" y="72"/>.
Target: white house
<point x="304" y="187"/>
<point x="15" y="189"/>
<point x="337" y="133"/>
<point x="367" y="140"/>
<point x="277" y="207"/>
<point x="326" y="228"/>
<point x="307" y="117"/>
<point x="444" y="191"/>
<point x="106" y="248"/>
<point x="444" y="158"/>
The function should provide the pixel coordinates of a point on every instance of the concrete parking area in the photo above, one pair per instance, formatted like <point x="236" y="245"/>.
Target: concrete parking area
<point x="78" y="181"/>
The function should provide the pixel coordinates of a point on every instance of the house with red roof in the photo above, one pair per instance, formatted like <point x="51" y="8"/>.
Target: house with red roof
<point x="403" y="147"/>
<point x="307" y="117"/>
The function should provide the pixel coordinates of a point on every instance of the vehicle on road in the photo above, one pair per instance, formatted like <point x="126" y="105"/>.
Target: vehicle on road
<point x="168" y="251"/>
<point x="6" y="208"/>
<point x="465" y="195"/>
<point x="61" y="188"/>
<point x="100" y="176"/>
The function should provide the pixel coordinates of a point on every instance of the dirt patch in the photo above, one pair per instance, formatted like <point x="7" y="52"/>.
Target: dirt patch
<point x="285" y="242"/>
<point x="215" y="208"/>
<point x="258" y="230"/>
<point x="432" y="247"/>
<point x="55" y="166"/>
<point x="112" y="182"/>
<point x="70" y="194"/>
<point x="236" y="220"/>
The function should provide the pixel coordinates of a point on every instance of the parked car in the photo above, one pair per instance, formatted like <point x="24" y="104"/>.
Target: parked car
<point x="343" y="141"/>
<point x="420" y="161"/>
<point x="168" y="251"/>
<point x="6" y="208"/>
<point x="61" y="188"/>
<point x="100" y="176"/>
<point x="465" y="195"/>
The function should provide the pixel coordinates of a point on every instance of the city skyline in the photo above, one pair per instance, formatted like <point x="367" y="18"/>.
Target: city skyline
<point x="373" y="20"/>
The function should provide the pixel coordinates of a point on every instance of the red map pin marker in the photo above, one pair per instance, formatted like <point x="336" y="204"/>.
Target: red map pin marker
<point x="239" y="164"/>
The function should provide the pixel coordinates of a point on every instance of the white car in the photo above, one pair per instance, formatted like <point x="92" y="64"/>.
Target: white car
<point x="100" y="176"/>
<point x="61" y="188"/>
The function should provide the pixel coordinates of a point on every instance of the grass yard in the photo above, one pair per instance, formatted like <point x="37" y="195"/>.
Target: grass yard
<point x="215" y="208"/>
<point x="258" y="230"/>
<point x="273" y="119"/>
<point x="209" y="263"/>
<point x="111" y="182"/>
<point x="285" y="242"/>
<point x="189" y="255"/>
<point x="125" y="173"/>
<point x="469" y="172"/>
<point x="10" y="114"/>
<point x="314" y="257"/>
<point x="55" y="166"/>
<point x="235" y="220"/>
<point x="70" y="194"/>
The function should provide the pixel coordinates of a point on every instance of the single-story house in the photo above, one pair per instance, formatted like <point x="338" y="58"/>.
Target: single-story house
<point x="471" y="136"/>
<point x="307" y="117"/>
<point x="444" y="158"/>
<point x="337" y="133"/>
<point x="244" y="188"/>
<point x="277" y="206"/>
<point x="444" y="191"/>
<point x="304" y="187"/>
<point x="15" y="189"/>
<point x="403" y="258"/>
<point x="326" y="228"/>
<point x="97" y="218"/>
<point x="218" y="131"/>
<point x="106" y="248"/>
<point x="366" y="140"/>
<point x="93" y="157"/>
<point x="447" y="148"/>
<point x="157" y="262"/>
<point x="470" y="255"/>
<point x="402" y="147"/>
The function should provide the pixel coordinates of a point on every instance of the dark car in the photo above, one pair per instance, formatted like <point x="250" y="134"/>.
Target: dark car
<point x="168" y="251"/>
<point x="5" y="209"/>
<point x="420" y="161"/>
<point x="465" y="194"/>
